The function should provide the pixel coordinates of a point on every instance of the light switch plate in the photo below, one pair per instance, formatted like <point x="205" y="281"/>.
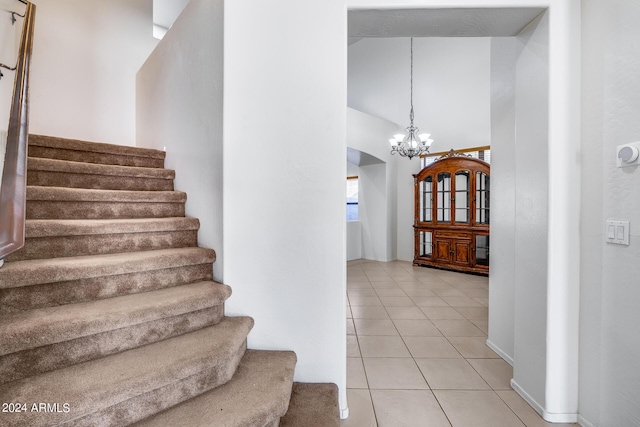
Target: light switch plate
<point x="617" y="232"/>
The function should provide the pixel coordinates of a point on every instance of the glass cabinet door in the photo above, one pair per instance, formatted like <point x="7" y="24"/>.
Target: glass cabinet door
<point x="482" y="250"/>
<point x="462" y="197"/>
<point x="482" y="198"/>
<point x="426" y="199"/>
<point x="426" y="242"/>
<point x="443" y="208"/>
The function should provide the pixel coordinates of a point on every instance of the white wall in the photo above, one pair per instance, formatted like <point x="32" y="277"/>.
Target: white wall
<point x="450" y="86"/>
<point x="597" y="27"/>
<point x="531" y="183"/>
<point x="186" y="70"/>
<point x="352" y="169"/>
<point x="85" y="58"/>
<point x="373" y="212"/>
<point x="609" y="344"/>
<point x="378" y="184"/>
<point x="354" y="240"/>
<point x="284" y="172"/>
<point x="543" y="182"/>
<point x="502" y="275"/>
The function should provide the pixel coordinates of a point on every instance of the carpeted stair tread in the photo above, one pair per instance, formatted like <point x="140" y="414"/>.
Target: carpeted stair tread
<point x="92" y="195"/>
<point x="131" y="385"/>
<point x="257" y="395"/>
<point x="52" y="270"/>
<point x="62" y="146"/>
<point x="36" y="328"/>
<point x="70" y="238"/>
<point x="41" y="295"/>
<point x="65" y="166"/>
<point x="38" y="228"/>
<point x="313" y="404"/>
<point x="31" y="362"/>
<point x="81" y="203"/>
<point x="63" y="173"/>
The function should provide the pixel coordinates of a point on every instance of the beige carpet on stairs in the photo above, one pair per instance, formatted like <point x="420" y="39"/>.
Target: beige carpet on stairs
<point x="312" y="405"/>
<point x="109" y="313"/>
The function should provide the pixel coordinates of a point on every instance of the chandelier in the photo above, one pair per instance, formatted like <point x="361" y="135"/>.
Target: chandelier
<point x="411" y="143"/>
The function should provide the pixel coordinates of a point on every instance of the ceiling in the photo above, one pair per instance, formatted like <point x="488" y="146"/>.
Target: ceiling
<point x="360" y="158"/>
<point x="453" y="22"/>
<point x="458" y="22"/>
<point x="165" y="12"/>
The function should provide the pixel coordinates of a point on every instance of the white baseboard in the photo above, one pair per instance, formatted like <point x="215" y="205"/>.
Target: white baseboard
<point x="530" y="400"/>
<point x="552" y="418"/>
<point x="344" y="413"/>
<point x="560" y="418"/>
<point x="585" y="423"/>
<point x="500" y="353"/>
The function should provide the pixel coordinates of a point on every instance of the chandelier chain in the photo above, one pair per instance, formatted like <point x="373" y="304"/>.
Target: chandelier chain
<point x="411" y="80"/>
<point x="411" y="144"/>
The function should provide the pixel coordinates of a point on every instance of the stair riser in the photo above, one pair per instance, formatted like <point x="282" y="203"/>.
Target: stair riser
<point x="324" y="411"/>
<point x="91" y="157"/>
<point x="13" y="300"/>
<point x="97" y="182"/>
<point x="141" y="407"/>
<point x="42" y="209"/>
<point x="56" y="356"/>
<point x="67" y="246"/>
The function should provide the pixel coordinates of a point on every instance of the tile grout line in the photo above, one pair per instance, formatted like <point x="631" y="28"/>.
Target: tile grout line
<point x="364" y="369"/>
<point x="416" y="363"/>
<point x="409" y="351"/>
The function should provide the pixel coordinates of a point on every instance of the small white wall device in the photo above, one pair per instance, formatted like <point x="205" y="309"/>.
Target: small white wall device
<point x="617" y="232"/>
<point x="628" y="155"/>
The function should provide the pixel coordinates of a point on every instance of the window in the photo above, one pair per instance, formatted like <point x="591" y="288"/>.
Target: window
<point x="352" y="198"/>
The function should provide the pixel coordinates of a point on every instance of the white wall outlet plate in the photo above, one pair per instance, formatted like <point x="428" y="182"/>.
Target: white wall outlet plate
<point x="628" y="155"/>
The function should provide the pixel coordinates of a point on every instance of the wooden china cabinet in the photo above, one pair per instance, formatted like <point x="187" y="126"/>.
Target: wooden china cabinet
<point x="451" y="222"/>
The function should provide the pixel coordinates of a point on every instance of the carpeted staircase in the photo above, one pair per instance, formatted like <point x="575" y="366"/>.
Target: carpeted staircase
<point x="109" y="315"/>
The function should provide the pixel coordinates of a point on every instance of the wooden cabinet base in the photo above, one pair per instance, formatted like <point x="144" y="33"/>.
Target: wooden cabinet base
<point x="482" y="271"/>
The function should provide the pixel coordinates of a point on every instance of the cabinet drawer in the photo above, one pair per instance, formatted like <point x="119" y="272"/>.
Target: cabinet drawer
<point x="453" y="234"/>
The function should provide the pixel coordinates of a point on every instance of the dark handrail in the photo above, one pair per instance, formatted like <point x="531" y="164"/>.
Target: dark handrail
<point x="14" y="175"/>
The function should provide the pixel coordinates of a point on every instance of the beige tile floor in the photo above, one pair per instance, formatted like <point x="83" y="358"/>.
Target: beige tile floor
<point x="417" y="354"/>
